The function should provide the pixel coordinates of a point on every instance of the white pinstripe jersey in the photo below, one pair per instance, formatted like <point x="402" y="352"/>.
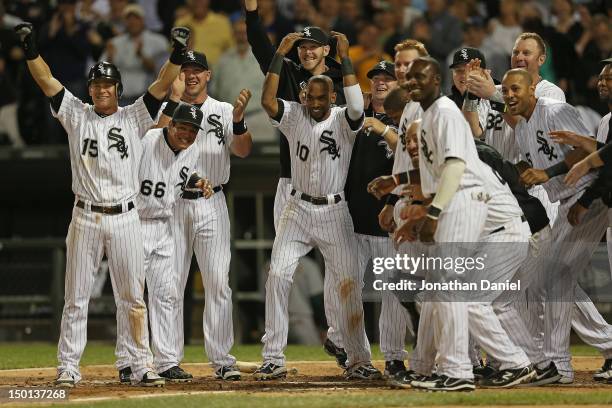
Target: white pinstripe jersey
<point x="104" y="151"/>
<point x="541" y="152"/>
<point x="501" y="136"/>
<point x="444" y="134"/>
<point x="602" y="129"/>
<point x="162" y="175"/>
<point x="402" y="162"/>
<point x="213" y="143"/>
<point x="320" y="151"/>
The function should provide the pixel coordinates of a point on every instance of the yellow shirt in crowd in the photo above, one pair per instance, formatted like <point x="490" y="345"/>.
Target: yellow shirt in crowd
<point x="212" y="35"/>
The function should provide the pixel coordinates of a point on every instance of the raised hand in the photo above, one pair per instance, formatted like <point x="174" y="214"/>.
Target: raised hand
<point x="178" y="87"/>
<point x="287" y="43"/>
<point x="179" y="36"/>
<point x="342" y="44"/>
<point x="240" y="105"/>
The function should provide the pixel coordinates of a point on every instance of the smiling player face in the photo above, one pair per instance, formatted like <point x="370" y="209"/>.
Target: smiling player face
<point x="518" y="94"/>
<point x="103" y="93"/>
<point x="319" y="98"/>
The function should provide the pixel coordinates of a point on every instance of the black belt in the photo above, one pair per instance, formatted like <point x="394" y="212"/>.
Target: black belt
<point x="523" y="219"/>
<point x="317" y="200"/>
<point x="112" y="209"/>
<point x="194" y="195"/>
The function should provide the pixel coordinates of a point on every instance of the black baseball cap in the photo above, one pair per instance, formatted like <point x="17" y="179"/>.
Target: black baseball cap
<point x="465" y="55"/>
<point x="195" y="58"/>
<point x="186" y="113"/>
<point x="314" y="34"/>
<point x="384" y="67"/>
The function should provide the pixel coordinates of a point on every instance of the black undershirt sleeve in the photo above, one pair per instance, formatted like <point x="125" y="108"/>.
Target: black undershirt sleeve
<point x="56" y="100"/>
<point x="281" y="110"/>
<point x="152" y="104"/>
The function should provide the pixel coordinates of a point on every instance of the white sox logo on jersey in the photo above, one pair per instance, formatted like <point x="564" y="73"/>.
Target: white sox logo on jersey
<point x="332" y="148"/>
<point x="545" y="148"/>
<point x="119" y="142"/>
<point x="425" y="148"/>
<point x="183" y="176"/>
<point x="217" y="127"/>
<point x="403" y="134"/>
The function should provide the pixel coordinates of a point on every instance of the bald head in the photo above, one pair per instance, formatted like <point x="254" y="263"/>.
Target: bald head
<point x="522" y="74"/>
<point x="322" y="79"/>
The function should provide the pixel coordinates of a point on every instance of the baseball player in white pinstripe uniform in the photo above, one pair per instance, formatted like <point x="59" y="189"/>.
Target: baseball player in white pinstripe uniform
<point x="165" y="172"/>
<point x="202" y="226"/>
<point x="450" y="168"/>
<point x="105" y="150"/>
<point x="572" y="245"/>
<point x="317" y="213"/>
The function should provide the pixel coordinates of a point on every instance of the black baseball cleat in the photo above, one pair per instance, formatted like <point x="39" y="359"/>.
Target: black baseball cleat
<point x="483" y="372"/>
<point x="270" y="371"/>
<point x="604" y="374"/>
<point x="404" y="379"/>
<point x="365" y="371"/>
<point x="125" y="375"/>
<point x="509" y="378"/>
<point x="444" y="383"/>
<point x="338" y="353"/>
<point x="548" y="375"/>
<point x="229" y="373"/>
<point x="393" y="367"/>
<point x="176" y="374"/>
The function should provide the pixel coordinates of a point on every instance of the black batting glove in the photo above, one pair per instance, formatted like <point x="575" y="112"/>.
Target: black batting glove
<point x="179" y="36"/>
<point x="25" y="32"/>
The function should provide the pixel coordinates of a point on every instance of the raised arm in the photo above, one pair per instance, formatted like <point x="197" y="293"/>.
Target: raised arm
<point x="261" y="46"/>
<point x="168" y="73"/>
<point x="38" y="67"/>
<point x="352" y="91"/>
<point x="270" y="86"/>
<point x="178" y="87"/>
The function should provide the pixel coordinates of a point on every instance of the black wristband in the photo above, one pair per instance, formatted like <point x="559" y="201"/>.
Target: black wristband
<point x="416" y="202"/>
<point x="471" y="96"/>
<point x="557" y="169"/>
<point x="392" y="199"/>
<point x="347" y="67"/>
<point x="178" y="56"/>
<point x="276" y="65"/>
<point x="433" y="212"/>
<point x="170" y="108"/>
<point x="239" y="128"/>
<point x="29" y="49"/>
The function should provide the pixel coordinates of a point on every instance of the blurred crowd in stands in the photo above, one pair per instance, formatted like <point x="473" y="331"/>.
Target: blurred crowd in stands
<point x="133" y="35"/>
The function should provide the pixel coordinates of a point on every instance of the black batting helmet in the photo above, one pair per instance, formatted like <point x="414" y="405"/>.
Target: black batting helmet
<point x="108" y="71"/>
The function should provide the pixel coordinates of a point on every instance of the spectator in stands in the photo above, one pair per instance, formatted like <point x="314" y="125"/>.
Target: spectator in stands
<point x="139" y="54"/>
<point x="561" y="53"/>
<point x="238" y="69"/>
<point x="64" y="45"/>
<point x="350" y="10"/>
<point x="304" y="15"/>
<point x="211" y="33"/>
<point x="332" y="20"/>
<point x="274" y="22"/>
<point x="463" y="10"/>
<point x="36" y="12"/>
<point x="366" y="53"/>
<point x="166" y="10"/>
<point x="408" y="13"/>
<point x="505" y="29"/>
<point x="597" y="49"/>
<point x="439" y="31"/>
<point x="475" y="36"/>
<point x="8" y="106"/>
